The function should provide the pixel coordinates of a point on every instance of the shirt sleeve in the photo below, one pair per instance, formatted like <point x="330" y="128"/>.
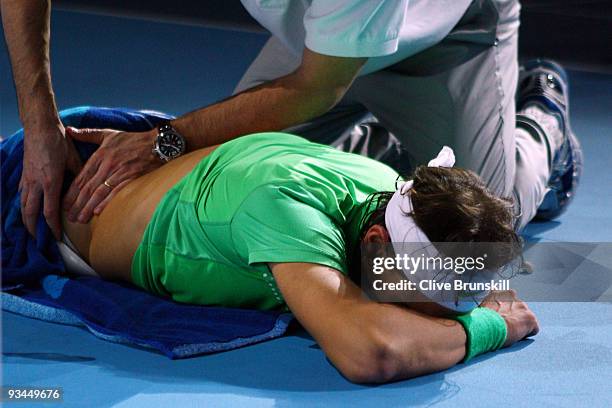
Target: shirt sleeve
<point x="275" y="225"/>
<point x="354" y="28"/>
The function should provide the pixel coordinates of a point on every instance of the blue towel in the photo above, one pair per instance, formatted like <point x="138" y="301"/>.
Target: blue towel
<point x="118" y="312"/>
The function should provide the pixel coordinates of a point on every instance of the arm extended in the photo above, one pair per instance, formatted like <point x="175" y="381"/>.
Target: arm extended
<point x="47" y="152"/>
<point x="26" y="29"/>
<point x="367" y="341"/>
<point x="373" y="342"/>
<point x="311" y="90"/>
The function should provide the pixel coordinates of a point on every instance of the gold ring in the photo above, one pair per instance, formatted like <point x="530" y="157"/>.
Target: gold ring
<point x="107" y="184"/>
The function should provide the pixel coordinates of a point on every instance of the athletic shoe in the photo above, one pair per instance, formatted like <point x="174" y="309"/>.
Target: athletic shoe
<point x="545" y="83"/>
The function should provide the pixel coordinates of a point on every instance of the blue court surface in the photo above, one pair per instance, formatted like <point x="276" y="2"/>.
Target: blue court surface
<point x="110" y="61"/>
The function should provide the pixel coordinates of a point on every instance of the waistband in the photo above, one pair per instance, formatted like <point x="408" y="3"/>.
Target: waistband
<point x="73" y="262"/>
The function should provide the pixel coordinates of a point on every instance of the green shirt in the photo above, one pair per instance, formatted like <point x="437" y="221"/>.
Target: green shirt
<point x="268" y="197"/>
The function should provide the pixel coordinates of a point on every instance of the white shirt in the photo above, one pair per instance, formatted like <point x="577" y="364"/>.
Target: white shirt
<point x="385" y="31"/>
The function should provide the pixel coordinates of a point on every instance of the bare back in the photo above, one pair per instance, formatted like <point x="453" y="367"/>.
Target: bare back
<point x="108" y="242"/>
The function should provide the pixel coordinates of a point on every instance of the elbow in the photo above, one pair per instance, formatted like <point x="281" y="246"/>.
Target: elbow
<point x="323" y="99"/>
<point x="383" y="360"/>
<point x="376" y="368"/>
<point x="333" y="95"/>
<point x="322" y="96"/>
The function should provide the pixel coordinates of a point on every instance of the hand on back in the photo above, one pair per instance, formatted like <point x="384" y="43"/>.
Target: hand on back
<point x="48" y="153"/>
<point x="121" y="157"/>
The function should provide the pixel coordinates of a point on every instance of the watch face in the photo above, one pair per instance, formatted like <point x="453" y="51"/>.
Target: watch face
<point x="171" y="144"/>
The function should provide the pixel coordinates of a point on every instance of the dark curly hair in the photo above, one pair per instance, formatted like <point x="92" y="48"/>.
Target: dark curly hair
<point x="453" y="205"/>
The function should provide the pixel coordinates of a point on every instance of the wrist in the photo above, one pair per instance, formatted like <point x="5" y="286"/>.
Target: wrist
<point x="168" y="144"/>
<point x="38" y="97"/>
<point x="486" y="330"/>
<point x="41" y="119"/>
<point x="182" y="129"/>
<point x="43" y="129"/>
<point x="150" y="137"/>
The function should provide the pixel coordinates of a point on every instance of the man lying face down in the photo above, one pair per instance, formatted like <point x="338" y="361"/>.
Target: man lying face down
<point x="272" y="221"/>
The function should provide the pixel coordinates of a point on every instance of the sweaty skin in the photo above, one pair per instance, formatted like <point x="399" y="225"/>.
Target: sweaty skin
<point x="108" y="242"/>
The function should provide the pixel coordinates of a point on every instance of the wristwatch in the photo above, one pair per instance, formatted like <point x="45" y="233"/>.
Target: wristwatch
<point x="169" y="144"/>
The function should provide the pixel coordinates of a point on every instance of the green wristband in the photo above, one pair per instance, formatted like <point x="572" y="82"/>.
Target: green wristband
<point x="485" y="329"/>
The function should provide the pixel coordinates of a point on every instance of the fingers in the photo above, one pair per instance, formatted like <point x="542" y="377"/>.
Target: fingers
<point x="124" y="158"/>
<point x="535" y="329"/>
<point x="73" y="161"/>
<point x="100" y="207"/>
<point x="535" y="325"/>
<point x="102" y="196"/>
<point x="84" y="172"/>
<point x="87" y="135"/>
<point x="44" y="163"/>
<point x="30" y="206"/>
<point x="492" y="304"/>
<point x="85" y="175"/>
<point x="47" y="189"/>
<point x="51" y="204"/>
<point x="504" y="296"/>
<point x="91" y="194"/>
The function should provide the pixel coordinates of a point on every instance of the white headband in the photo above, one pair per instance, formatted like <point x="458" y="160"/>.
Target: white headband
<point x="408" y="239"/>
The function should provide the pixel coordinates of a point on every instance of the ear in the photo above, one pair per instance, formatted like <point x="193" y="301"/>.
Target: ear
<point x="376" y="234"/>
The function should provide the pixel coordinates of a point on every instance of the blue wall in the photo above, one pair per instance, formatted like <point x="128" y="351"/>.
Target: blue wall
<point x="111" y="61"/>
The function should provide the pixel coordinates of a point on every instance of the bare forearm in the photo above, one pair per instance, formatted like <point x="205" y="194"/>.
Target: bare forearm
<point x="26" y="30"/>
<point x="408" y="343"/>
<point x="379" y="342"/>
<point x="423" y="344"/>
<point x="272" y="106"/>
<point x="367" y="341"/>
